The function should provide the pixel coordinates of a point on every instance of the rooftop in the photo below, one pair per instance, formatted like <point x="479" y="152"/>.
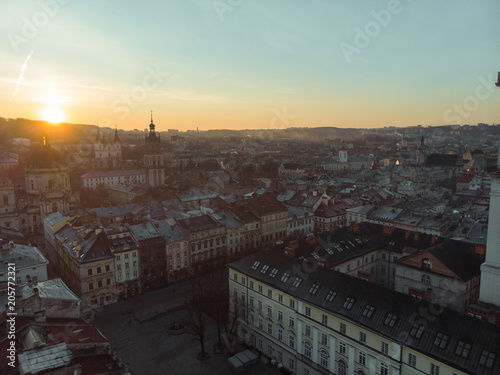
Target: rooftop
<point x="22" y="255"/>
<point x="53" y="289"/>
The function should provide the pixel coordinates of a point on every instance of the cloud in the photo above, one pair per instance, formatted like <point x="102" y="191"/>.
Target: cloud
<point x="23" y="68"/>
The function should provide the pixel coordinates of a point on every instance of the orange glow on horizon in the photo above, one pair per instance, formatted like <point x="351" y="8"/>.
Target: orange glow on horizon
<point x="53" y="115"/>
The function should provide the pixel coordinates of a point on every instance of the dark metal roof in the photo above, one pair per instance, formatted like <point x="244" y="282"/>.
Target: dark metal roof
<point x="443" y="160"/>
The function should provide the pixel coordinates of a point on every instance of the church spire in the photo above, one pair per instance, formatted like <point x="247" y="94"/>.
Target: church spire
<point x="98" y="136"/>
<point x="151" y="116"/>
<point x="117" y="139"/>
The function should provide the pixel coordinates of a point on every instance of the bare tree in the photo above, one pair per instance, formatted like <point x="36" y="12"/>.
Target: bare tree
<point x="217" y="306"/>
<point x="196" y="318"/>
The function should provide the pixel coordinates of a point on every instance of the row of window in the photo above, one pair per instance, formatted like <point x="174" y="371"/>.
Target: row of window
<point x="126" y="256"/>
<point x="98" y="270"/>
<point x="177" y="246"/>
<point x="178" y="256"/>
<point x="127" y="265"/>
<point x="324" y="356"/>
<point x="98" y="284"/>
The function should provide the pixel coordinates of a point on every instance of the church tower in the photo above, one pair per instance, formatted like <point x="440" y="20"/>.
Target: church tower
<point x="153" y="158"/>
<point x="343" y="154"/>
<point x="420" y="151"/>
<point x="108" y="153"/>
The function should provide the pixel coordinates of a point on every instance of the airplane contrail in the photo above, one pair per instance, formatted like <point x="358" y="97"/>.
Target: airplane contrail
<point x="21" y="75"/>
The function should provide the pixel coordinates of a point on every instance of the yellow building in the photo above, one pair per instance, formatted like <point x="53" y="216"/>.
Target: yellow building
<point x="313" y="320"/>
<point x="272" y="214"/>
<point x="86" y="264"/>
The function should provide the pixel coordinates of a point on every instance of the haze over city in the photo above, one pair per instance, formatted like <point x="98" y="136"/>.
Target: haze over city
<point x="250" y="64"/>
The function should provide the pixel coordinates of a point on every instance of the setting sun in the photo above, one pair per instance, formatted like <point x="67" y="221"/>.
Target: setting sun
<point x="53" y="115"/>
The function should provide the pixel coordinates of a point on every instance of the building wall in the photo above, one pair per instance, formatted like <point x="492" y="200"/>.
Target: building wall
<point x="94" y="183"/>
<point x="208" y="247"/>
<point x="97" y="283"/>
<point x="178" y="263"/>
<point x="297" y="226"/>
<point x="273" y="227"/>
<point x="452" y="293"/>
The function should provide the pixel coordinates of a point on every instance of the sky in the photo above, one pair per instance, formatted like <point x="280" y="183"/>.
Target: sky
<point x="250" y="64"/>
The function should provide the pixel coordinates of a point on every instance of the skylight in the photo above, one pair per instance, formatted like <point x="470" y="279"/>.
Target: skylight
<point x="348" y="303"/>
<point x="463" y="349"/>
<point x="390" y="320"/>
<point x="273" y="273"/>
<point x="285" y="277"/>
<point x="417" y="330"/>
<point x="330" y="296"/>
<point x="256" y="265"/>
<point x="314" y="289"/>
<point x="368" y="312"/>
<point x="296" y="282"/>
<point x="441" y="340"/>
<point x="264" y="269"/>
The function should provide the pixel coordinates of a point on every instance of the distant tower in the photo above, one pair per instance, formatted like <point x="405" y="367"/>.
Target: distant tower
<point x="490" y="270"/>
<point x="107" y="153"/>
<point x="343" y="154"/>
<point x="153" y="138"/>
<point x="420" y="150"/>
<point x="153" y="158"/>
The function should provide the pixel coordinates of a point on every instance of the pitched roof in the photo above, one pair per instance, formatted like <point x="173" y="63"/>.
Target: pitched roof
<point x="443" y="160"/>
<point x="265" y="204"/>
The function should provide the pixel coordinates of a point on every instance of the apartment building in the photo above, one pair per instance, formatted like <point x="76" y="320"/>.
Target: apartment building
<point x="86" y="264"/>
<point x="104" y="179"/>
<point x="313" y="320"/>
<point x="176" y="247"/>
<point x="207" y="238"/>
<point x="447" y="274"/>
<point x="126" y="254"/>
<point x="272" y="214"/>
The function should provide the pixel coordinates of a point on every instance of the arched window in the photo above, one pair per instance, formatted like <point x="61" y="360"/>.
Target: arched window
<point x="426" y="279"/>
<point x="323" y="358"/>
<point x="342" y="368"/>
<point x="307" y="349"/>
<point x="360" y="372"/>
<point x="5" y="200"/>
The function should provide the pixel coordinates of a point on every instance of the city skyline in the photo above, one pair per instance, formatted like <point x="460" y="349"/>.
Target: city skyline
<point x="231" y="64"/>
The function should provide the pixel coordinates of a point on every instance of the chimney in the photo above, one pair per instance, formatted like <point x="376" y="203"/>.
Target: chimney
<point x="40" y="317"/>
<point x="294" y="244"/>
<point x="323" y="262"/>
<point x="311" y="240"/>
<point x="290" y="251"/>
<point x="480" y="249"/>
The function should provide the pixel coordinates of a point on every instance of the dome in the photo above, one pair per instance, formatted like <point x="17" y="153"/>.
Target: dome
<point x="46" y="158"/>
